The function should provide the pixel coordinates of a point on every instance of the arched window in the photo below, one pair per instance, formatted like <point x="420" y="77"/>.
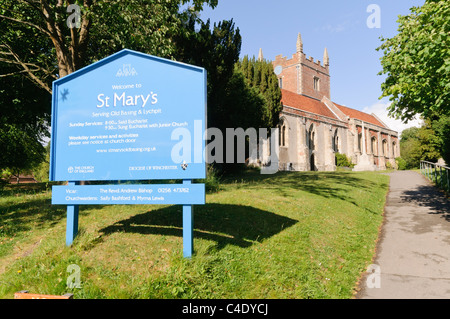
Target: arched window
<point x="335" y="141"/>
<point x="283" y="132"/>
<point x="394" y="150"/>
<point x="385" y="150"/>
<point x="374" y="146"/>
<point x="311" y="137"/>
<point x="360" y="142"/>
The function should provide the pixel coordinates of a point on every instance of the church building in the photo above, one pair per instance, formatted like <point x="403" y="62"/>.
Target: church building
<point x="313" y="128"/>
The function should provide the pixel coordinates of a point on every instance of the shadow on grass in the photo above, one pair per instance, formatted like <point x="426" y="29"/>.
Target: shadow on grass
<point x="225" y="224"/>
<point x="24" y="215"/>
<point x="325" y="184"/>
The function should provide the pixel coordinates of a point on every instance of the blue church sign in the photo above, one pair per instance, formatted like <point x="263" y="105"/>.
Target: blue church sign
<point x="127" y="117"/>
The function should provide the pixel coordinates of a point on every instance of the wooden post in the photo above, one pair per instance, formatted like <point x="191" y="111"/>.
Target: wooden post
<point x="188" y="228"/>
<point x="72" y="220"/>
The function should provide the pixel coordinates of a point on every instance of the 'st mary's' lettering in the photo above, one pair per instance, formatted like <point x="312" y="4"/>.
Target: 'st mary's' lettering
<point x="127" y="100"/>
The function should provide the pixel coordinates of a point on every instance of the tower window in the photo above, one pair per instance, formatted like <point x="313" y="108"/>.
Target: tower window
<point x="316" y="84"/>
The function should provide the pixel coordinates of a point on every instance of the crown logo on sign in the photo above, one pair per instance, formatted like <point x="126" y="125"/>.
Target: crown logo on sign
<point x="126" y="70"/>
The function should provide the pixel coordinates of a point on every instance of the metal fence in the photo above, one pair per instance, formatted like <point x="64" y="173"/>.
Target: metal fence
<point x="439" y="174"/>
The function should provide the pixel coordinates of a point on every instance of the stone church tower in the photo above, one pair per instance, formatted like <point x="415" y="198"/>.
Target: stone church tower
<point x="313" y="128"/>
<point x="303" y="75"/>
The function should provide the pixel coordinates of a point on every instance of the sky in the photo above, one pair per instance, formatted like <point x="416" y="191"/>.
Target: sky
<point x="340" y="26"/>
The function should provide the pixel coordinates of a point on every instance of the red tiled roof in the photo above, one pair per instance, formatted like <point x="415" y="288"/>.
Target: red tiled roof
<point x="359" y="115"/>
<point x="305" y="103"/>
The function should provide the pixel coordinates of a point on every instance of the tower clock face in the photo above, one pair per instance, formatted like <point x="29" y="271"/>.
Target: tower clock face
<point x="278" y="69"/>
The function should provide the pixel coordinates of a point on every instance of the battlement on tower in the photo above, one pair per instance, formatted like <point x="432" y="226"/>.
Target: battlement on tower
<point x="304" y="75"/>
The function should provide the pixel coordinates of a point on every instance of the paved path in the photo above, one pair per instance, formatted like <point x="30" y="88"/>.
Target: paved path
<point x="413" y="253"/>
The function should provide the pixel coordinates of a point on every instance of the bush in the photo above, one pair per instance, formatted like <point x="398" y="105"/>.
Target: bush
<point x="5" y="174"/>
<point x="41" y="171"/>
<point x="3" y="183"/>
<point x="401" y="163"/>
<point x="212" y="180"/>
<point x="388" y="165"/>
<point x="343" y="161"/>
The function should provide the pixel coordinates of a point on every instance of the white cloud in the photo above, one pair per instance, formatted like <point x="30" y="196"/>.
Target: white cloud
<point x="345" y="22"/>
<point x="380" y="110"/>
<point x="335" y="28"/>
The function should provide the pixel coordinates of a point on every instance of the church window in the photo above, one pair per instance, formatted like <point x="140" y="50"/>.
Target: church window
<point x="282" y="131"/>
<point x="316" y="84"/>
<point x="360" y="142"/>
<point x="335" y="141"/>
<point x="311" y="137"/>
<point x="385" y="151"/>
<point x="374" y="146"/>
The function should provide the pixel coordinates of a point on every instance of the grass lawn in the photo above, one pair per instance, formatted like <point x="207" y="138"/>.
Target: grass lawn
<point x="289" y="235"/>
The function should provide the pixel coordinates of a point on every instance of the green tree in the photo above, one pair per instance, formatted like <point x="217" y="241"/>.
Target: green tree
<point x="243" y="105"/>
<point x="20" y="151"/>
<point x="216" y="49"/>
<point x="41" y="171"/>
<point x="260" y="76"/>
<point x="417" y="63"/>
<point x="24" y="120"/>
<point x="430" y="142"/>
<point x="441" y="128"/>
<point x="37" y="46"/>
<point x="241" y="94"/>
<point x="410" y="147"/>
<point x="104" y="27"/>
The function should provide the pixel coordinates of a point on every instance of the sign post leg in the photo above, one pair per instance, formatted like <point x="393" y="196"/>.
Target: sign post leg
<point x="188" y="227"/>
<point x="72" y="221"/>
